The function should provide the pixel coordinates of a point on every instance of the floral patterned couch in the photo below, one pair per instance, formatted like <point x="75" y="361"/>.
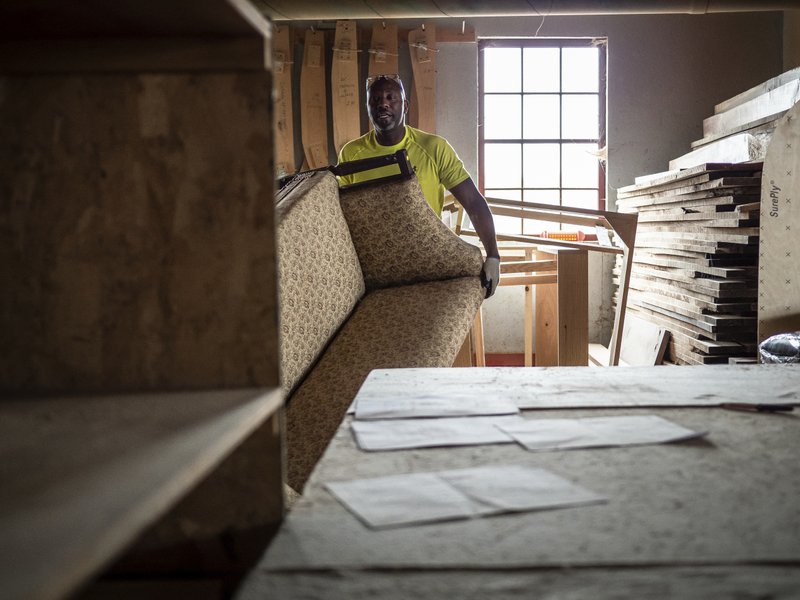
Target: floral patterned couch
<point x="369" y="278"/>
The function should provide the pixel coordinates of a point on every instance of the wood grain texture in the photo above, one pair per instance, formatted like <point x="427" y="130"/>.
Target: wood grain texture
<point x="137" y="233"/>
<point x="345" y="97"/>
<point x="573" y="308"/>
<point x="422" y="49"/>
<point x="768" y="104"/>
<point x="383" y="51"/>
<point x="283" y="61"/>
<point x="314" y="101"/>
<point x="82" y="477"/>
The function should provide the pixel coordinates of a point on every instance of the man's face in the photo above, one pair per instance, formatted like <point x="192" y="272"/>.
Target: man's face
<point x="386" y="105"/>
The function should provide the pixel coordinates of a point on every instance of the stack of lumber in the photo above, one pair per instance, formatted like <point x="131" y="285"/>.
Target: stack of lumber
<point x="695" y="259"/>
<point x="741" y="127"/>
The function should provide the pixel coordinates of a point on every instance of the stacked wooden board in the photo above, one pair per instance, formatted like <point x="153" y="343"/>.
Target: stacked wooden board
<point x="695" y="259"/>
<point x="741" y="127"/>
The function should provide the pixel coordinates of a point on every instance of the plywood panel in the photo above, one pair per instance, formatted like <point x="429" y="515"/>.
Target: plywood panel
<point x="137" y="240"/>
<point x="345" y="101"/>
<point x="779" y="245"/>
<point x="313" y="101"/>
<point x="422" y="49"/>
<point x="283" y="60"/>
<point x="82" y="477"/>
<point x="383" y="52"/>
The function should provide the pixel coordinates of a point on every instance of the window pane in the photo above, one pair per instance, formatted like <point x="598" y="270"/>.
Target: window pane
<point x="502" y="165"/>
<point x="580" y="117"/>
<point x="541" y="164"/>
<point x="540" y="70"/>
<point x="503" y="224"/>
<point x="580" y="167"/>
<point x="535" y="226"/>
<point x="541" y="117"/>
<point x="502" y="118"/>
<point x="579" y="199"/>
<point x="501" y="69"/>
<point x="580" y="70"/>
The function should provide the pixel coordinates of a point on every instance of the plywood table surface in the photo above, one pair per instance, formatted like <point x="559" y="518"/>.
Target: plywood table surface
<point x="711" y="517"/>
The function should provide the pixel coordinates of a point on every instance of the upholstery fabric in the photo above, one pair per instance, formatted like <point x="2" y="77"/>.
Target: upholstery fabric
<point x="421" y="325"/>
<point x="319" y="276"/>
<point x="400" y="240"/>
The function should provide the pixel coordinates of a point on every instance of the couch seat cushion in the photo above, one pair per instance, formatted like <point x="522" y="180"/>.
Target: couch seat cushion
<point x="421" y="325"/>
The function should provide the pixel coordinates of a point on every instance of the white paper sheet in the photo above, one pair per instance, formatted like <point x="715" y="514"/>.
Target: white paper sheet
<point x="431" y="405"/>
<point x="596" y="432"/>
<point x="401" y="500"/>
<point x="396" y="434"/>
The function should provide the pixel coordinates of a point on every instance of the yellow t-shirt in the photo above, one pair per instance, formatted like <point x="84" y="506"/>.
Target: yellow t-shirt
<point x="434" y="160"/>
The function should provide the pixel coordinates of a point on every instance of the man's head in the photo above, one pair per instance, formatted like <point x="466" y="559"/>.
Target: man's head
<point x="386" y="102"/>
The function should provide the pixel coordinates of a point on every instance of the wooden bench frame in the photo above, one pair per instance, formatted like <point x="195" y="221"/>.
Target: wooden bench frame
<point x="571" y="269"/>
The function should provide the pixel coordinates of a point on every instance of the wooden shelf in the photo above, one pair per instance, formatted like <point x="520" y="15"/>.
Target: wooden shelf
<point x="45" y="36"/>
<point x="84" y="476"/>
<point x="49" y="19"/>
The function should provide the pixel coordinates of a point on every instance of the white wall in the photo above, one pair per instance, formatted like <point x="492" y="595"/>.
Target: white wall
<point x="665" y="74"/>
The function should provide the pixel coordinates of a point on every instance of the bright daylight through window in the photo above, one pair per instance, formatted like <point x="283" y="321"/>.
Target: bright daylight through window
<point x="542" y="107"/>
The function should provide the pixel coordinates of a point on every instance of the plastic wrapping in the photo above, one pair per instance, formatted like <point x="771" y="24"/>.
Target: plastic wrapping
<point x="781" y="348"/>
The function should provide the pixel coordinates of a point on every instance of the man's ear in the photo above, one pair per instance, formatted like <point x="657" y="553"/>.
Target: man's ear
<point x="405" y="107"/>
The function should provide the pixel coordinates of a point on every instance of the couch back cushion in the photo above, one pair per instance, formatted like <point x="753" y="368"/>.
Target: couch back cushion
<point x="319" y="277"/>
<point x="400" y="240"/>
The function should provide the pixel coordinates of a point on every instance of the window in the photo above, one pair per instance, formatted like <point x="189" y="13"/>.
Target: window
<point x="542" y="125"/>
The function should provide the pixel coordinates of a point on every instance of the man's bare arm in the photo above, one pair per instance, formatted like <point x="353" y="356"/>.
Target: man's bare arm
<point x="478" y="210"/>
<point x="480" y="215"/>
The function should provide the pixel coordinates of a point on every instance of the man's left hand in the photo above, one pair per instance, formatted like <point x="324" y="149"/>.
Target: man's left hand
<point x="490" y="275"/>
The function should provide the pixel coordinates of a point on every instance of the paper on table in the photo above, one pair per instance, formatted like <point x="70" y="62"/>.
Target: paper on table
<point x="398" y="500"/>
<point x="515" y="488"/>
<point x="426" y="405"/>
<point x="402" y="499"/>
<point x="399" y="434"/>
<point x="595" y="432"/>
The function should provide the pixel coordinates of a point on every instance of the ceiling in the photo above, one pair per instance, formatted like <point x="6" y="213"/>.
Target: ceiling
<point x="305" y="10"/>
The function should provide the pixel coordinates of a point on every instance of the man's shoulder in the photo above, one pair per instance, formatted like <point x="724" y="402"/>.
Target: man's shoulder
<point x="353" y="148"/>
<point x="423" y="137"/>
<point x="431" y="143"/>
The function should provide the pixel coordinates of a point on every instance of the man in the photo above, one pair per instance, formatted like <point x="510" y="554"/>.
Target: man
<point x="435" y="162"/>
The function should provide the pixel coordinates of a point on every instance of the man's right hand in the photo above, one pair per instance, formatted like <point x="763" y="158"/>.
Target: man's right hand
<point x="490" y="275"/>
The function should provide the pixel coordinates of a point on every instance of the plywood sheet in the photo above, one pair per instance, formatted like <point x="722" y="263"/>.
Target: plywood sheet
<point x="768" y="104"/>
<point x="284" y="119"/>
<point x="758" y="90"/>
<point x="313" y="101"/>
<point x="139" y="250"/>
<point x="738" y="148"/>
<point x="779" y="245"/>
<point x="345" y="102"/>
<point x="84" y="476"/>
